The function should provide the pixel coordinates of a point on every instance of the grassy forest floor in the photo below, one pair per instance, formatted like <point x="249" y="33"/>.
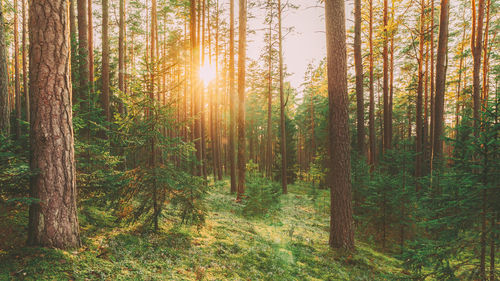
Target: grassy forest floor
<point x="286" y="244"/>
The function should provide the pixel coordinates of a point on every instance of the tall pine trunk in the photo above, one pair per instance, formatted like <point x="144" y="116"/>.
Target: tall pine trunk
<point x="341" y="223"/>
<point x="232" y="101"/>
<point x="360" y="103"/>
<point x="284" y="169"/>
<point x="105" y="60"/>
<point x="241" y="97"/>
<point x="53" y="221"/>
<point x="371" y="114"/>
<point x="4" y="80"/>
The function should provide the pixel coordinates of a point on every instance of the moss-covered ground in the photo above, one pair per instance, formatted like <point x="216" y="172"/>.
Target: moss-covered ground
<point x="288" y="244"/>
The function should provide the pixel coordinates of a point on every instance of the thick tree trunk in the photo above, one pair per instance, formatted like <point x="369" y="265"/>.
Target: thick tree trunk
<point x="232" y="101"/>
<point x="241" y="97"/>
<point x="341" y="224"/>
<point x="53" y="220"/>
<point x="284" y="169"/>
<point x="440" y="81"/>
<point x="360" y="103"/>
<point x="4" y="80"/>
<point x="105" y="60"/>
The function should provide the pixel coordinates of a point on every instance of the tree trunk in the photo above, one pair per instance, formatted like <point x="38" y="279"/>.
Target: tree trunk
<point x="241" y="97"/>
<point x="83" y="50"/>
<point x="91" y="46"/>
<point x="269" y="148"/>
<point x="4" y="80"/>
<point x="53" y="221"/>
<point x="387" y="137"/>
<point x="105" y="60"/>
<point x="25" y="62"/>
<point x="477" y="42"/>
<point x="440" y="81"/>
<point x="341" y="224"/>
<point x="121" y="52"/>
<point x="419" y="126"/>
<point x="371" y="117"/>
<point x="232" y="101"/>
<point x="360" y="108"/>
<point x="284" y="169"/>
<point x="17" y="86"/>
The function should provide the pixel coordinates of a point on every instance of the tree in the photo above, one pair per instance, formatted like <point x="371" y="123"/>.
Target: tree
<point x="121" y="52"/>
<point x="232" y="100"/>
<point x="105" y="60"/>
<point x="371" y="114"/>
<point x="341" y="223"/>
<point x="360" y="103"/>
<point x="91" y="46"/>
<point x="476" y="48"/>
<point x="282" y="106"/>
<point x="440" y="81"/>
<point x="241" y="97"/>
<point x="4" y="80"/>
<point x="387" y="137"/>
<point x="419" y="126"/>
<point x="83" y="50"/>
<point x="17" y="86"/>
<point x="53" y="220"/>
<point x="25" y="62"/>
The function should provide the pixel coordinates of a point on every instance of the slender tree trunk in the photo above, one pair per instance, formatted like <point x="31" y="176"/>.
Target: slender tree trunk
<point x="341" y="224"/>
<point x="387" y="137"/>
<point x="360" y="103"/>
<point x="121" y="52"/>
<point x="25" y="62"/>
<point x="440" y="81"/>
<point x="105" y="60"/>
<point x="4" y="80"/>
<point x="419" y="126"/>
<point x="232" y="101"/>
<point x="83" y="51"/>
<point x="282" y="106"/>
<point x="53" y="221"/>
<point x="91" y="47"/>
<point x="269" y="148"/>
<point x="477" y="43"/>
<point x="17" y="87"/>
<point x="241" y="97"/>
<point x="371" y="123"/>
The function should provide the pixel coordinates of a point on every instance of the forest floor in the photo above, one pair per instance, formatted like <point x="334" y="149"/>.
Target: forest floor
<point x="287" y="244"/>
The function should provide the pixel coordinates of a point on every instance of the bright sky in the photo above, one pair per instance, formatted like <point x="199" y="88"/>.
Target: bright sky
<point x="304" y="45"/>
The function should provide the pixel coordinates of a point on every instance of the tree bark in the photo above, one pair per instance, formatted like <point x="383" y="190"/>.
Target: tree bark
<point x="25" y="63"/>
<point x="360" y="103"/>
<point x="83" y="50"/>
<point x="121" y="52"/>
<point x="17" y="86"/>
<point x="269" y="148"/>
<point x="241" y="97"/>
<point x="477" y="43"/>
<point x="105" y="60"/>
<point x="387" y="137"/>
<point x="440" y="81"/>
<point x="91" y="46"/>
<point x="4" y="80"/>
<point x="419" y="122"/>
<point x="371" y="117"/>
<point x="284" y="169"/>
<point x="53" y="221"/>
<point x="341" y="224"/>
<point x="232" y="101"/>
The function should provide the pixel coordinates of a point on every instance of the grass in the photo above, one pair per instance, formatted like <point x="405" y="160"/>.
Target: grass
<point x="288" y="244"/>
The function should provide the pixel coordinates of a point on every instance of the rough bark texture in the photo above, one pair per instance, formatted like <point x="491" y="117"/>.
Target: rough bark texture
<point x="282" y="107"/>
<point x="83" y="50"/>
<point x="91" y="46"/>
<point x="105" y="60"/>
<point x="440" y="80"/>
<point x="360" y="102"/>
<point x="341" y="224"/>
<point x="53" y="220"/>
<point x="269" y="148"/>
<point x="241" y="97"/>
<point x="387" y="121"/>
<point x="232" y="100"/>
<point x="4" y="80"/>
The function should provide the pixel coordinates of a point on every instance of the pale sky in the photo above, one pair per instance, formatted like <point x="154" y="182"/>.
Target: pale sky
<point x="305" y="44"/>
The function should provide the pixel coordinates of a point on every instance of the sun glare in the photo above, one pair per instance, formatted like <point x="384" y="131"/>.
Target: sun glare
<point x="207" y="73"/>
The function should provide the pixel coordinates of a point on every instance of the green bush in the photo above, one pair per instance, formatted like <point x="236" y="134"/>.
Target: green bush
<point x="262" y="196"/>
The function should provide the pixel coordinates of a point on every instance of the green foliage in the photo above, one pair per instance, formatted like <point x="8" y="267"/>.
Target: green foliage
<point x="14" y="171"/>
<point x="262" y="196"/>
